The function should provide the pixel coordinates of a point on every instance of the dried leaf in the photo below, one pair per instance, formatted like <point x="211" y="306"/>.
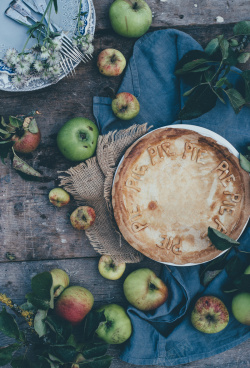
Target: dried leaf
<point x="33" y="128"/>
<point x="20" y="165"/>
<point x="221" y="241"/>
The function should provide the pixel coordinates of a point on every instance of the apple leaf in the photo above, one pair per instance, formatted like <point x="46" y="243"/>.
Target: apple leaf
<point x="234" y="267"/>
<point x="39" y="322"/>
<point x="220" y="240"/>
<point x="191" y="66"/>
<point x="20" y="362"/>
<point x="202" y="100"/>
<point x="6" y="353"/>
<point x="60" y="327"/>
<point x="235" y="98"/>
<point x="242" y="28"/>
<point x="91" y="324"/>
<point x="42" y="295"/>
<point x="8" y="325"/>
<point x="46" y="363"/>
<point x="94" y="350"/>
<point x="243" y="57"/>
<point x="65" y="353"/>
<point x="20" y="165"/>
<point x="33" y="128"/>
<point x="101" y="362"/>
<point x="15" y="122"/>
<point x="244" y="163"/>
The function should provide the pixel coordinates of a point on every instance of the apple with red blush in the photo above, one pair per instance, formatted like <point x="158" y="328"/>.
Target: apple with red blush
<point x="111" y="62"/>
<point x="209" y="315"/>
<point x="26" y="136"/>
<point x="125" y="106"/>
<point x="83" y="217"/>
<point x="59" y="197"/>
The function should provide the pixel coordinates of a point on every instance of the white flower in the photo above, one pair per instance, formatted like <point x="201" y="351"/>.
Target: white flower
<point x="83" y="45"/>
<point x="14" y="59"/>
<point x="74" y="42"/>
<point x="10" y="53"/>
<point x="54" y="59"/>
<point x="44" y="53"/>
<point x="10" y="57"/>
<point x="47" y="74"/>
<point x="22" y="67"/>
<point x="56" y="43"/>
<point x="55" y="70"/>
<point x="89" y="37"/>
<point x="29" y="58"/>
<point x="81" y="23"/>
<point x="90" y="49"/>
<point x="18" y="81"/>
<point x="38" y="65"/>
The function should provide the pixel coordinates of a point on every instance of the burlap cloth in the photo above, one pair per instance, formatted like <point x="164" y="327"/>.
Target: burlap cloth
<point x="90" y="183"/>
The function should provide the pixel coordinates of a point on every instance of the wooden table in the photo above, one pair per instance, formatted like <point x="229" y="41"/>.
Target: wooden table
<point x="39" y="234"/>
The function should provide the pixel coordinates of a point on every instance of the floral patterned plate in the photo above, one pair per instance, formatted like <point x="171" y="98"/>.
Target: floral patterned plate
<point x="65" y="7"/>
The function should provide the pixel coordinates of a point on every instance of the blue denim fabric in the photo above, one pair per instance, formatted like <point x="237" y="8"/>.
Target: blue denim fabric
<point x="166" y="336"/>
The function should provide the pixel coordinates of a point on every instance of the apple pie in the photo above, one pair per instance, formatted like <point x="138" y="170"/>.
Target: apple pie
<point x="171" y="185"/>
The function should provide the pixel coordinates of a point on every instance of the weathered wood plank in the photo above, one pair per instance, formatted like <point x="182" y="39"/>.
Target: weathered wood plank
<point x="171" y="13"/>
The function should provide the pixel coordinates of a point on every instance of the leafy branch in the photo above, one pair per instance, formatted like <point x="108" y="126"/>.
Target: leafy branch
<point x="52" y="341"/>
<point x="207" y="73"/>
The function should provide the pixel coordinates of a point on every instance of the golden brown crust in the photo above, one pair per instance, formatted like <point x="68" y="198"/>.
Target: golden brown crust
<point x="171" y="185"/>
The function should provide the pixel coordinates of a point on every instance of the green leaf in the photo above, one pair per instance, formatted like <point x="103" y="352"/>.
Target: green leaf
<point x="219" y="94"/>
<point x="20" y="165"/>
<point x="187" y="93"/>
<point x="47" y="363"/>
<point x="201" y="101"/>
<point x="243" y="58"/>
<point x="221" y="82"/>
<point x="8" y="325"/>
<point x="3" y="122"/>
<point x="235" y="98"/>
<point x="234" y="267"/>
<point x="42" y="287"/>
<point x="20" y="362"/>
<point x="28" y="307"/>
<point x="15" y="122"/>
<point x="39" y="322"/>
<point x="209" y="74"/>
<point x="243" y="283"/>
<point x="232" y="58"/>
<point x="95" y="350"/>
<point x="37" y="302"/>
<point x="212" y="46"/>
<point x="233" y="42"/>
<point x="246" y="77"/>
<point x="6" y="353"/>
<point x="33" y="128"/>
<point x="60" y="327"/>
<point x="91" y="323"/>
<point x="201" y="69"/>
<point x="101" y="362"/>
<point x="190" y="66"/>
<point x="220" y="240"/>
<point x="242" y="28"/>
<point x="244" y="163"/>
<point x="224" y="46"/>
<point x="4" y="131"/>
<point x="65" y="353"/>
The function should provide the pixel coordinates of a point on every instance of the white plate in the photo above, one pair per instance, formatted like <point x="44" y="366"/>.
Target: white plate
<point x="13" y="35"/>
<point x="207" y="133"/>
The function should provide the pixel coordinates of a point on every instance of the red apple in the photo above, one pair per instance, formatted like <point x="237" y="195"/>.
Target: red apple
<point x="125" y="106"/>
<point x="83" y="217"/>
<point x="74" y="304"/>
<point x="111" y="62"/>
<point x="27" y="137"/>
<point x="59" y="197"/>
<point x="209" y="315"/>
<point x="144" y="290"/>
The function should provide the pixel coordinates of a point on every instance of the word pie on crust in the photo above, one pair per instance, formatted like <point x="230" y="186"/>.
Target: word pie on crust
<point x="173" y="184"/>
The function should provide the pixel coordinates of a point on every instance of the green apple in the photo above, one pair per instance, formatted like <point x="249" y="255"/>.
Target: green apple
<point x="125" y="106"/>
<point x="111" y="62"/>
<point x="77" y="139"/>
<point x="59" y="197"/>
<point x="83" y="217"/>
<point x="74" y="304"/>
<point x="60" y="281"/>
<point x="209" y="315"/>
<point x="130" y="18"/>
<point x="241" y="308"/>
<point x="109" y="269"/>
<point x="144" y="290"/>
<point x="117" y="327"/>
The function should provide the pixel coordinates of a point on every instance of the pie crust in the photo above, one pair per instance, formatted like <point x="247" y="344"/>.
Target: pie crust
<point x="171" y="185"/>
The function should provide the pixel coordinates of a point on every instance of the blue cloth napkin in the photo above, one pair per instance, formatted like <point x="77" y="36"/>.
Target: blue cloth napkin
<point x="166" y="336"/>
